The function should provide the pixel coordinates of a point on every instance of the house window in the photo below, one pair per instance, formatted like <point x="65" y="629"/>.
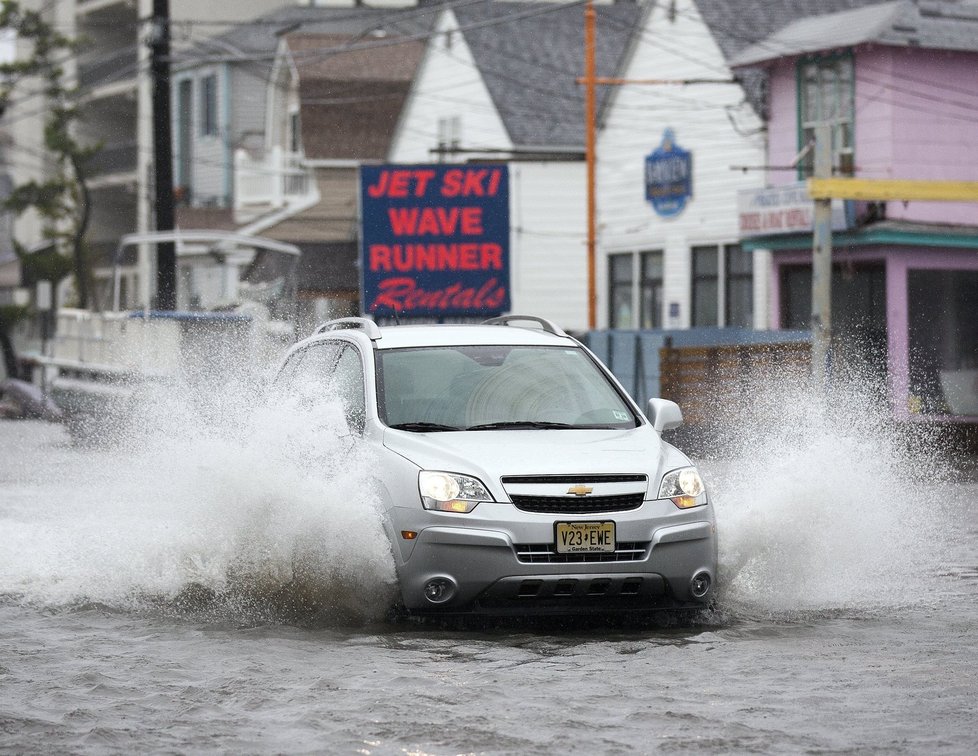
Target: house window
<point x="796" y="296"/>
<point x="738" y="286"/>
<point x="295" y="135"/>
<point x="825" y="95"/>
<point x="706" y="285"/>
<point x="622" y="283"/>
<point x="650" y="289"/>
<point x="626" y="298"/>
<point x="185" y="107"/>
<point x="943" y="341"/>
<point x="449" y="133"/>
<point x="208" y="105"/>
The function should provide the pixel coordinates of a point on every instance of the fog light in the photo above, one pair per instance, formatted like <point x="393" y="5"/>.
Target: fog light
<point x="699" y="586"/>
<point x="439" y="590"/>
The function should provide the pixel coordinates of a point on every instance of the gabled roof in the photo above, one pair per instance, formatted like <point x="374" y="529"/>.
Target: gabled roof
<point x="901" y="23"/>
<point x="257" y="40"/>
<point x="530" y="53"/>
<point x="739" y="25"/>
<point x="351" y="94"/>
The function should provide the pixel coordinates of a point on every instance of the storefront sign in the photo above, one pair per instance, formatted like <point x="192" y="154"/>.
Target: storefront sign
<point x="782" y="210"/>
<point x="668" y="177"/>
<point x="434" y="239"/>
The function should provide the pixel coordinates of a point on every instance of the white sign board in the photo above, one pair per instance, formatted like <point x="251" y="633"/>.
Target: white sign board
<point x="781" y="210"/>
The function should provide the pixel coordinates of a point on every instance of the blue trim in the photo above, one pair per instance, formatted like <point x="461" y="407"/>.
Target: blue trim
<point x="868" y="238"/>
<point x="192" y="317"/>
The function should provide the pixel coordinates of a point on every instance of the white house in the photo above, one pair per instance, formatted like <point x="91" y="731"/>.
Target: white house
<point x="498" y="82"/>
<point x="679" y="264"/>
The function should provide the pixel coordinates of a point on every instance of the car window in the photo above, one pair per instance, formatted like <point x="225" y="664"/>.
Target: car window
<point x="347" y="382"/>
<point x="305" y="366"/>
<point x="316" y="363"/>
<point x="323" y="372"/>
<point x="462" y="387"/>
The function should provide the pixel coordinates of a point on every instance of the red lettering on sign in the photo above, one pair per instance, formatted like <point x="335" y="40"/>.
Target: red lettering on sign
<point x="435" y="221"/>
<point x="403" y="295"/>
<point x="471" y="182"/>
<point x="397" y="183"/>
<point x="750" y="221"/>
<point x="405" y="258"/>
<point x="380" y="257"/>
<point x="799" y="218"/>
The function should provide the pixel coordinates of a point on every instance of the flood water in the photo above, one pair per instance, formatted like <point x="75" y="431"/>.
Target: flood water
<point x="224" y="591"/>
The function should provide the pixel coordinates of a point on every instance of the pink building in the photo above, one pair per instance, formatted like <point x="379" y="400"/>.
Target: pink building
<point x="898" y="84"/>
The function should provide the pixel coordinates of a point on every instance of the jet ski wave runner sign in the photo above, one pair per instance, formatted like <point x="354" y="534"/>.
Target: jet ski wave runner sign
<point x="434" y="240"/>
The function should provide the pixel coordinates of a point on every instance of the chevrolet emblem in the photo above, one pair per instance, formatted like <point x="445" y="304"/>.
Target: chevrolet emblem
<point x="580" y="490"/>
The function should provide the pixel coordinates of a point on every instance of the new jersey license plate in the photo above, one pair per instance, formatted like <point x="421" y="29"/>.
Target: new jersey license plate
<point x="585" y="537"/>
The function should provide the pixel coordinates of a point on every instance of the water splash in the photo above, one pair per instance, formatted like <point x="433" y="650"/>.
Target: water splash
<point x="258" y="513"/>
<point x="827" y="504"/>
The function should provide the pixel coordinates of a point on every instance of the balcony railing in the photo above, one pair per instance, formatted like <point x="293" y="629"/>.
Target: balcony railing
<point x="107" y="68"/>
<point x="273" y="180"/>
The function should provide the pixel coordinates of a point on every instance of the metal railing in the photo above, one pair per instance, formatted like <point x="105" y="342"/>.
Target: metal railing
<point x="273" y="179"/>
<point x="107" y="68"/>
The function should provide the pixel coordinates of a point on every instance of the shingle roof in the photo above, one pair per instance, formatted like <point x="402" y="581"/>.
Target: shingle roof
<point x="737" y="25"/>
<point x="258" y="39"/>
<point x="947" y="25"/>
<point x="530" y="62"/>
<point x="350" y="99"/>
<point x="530" y="54"/>
<point x="342" y="57"/>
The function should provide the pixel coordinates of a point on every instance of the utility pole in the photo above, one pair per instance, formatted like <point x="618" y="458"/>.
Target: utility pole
<point x="822" y="264"/>
<point x="590" y="72"/>
<point x="591" y="80"/>
<point x="166" y="259"/>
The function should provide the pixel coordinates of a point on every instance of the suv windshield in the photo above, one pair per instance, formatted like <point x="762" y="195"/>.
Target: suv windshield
<point x="496" y="388"/>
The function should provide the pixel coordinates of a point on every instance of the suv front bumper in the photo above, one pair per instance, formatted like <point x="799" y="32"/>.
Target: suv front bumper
<point x="451" y="569"/>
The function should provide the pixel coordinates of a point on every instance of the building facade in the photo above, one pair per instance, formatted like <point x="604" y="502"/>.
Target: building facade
<point x="498" y="84"/>
<point x="895" y="83"/>
<point x="674" y="143"/>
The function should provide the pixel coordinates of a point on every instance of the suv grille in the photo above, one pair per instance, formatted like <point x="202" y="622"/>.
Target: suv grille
<point x="591" y="493"/>
<point x="544" y="553"/>
<point x="575" y="505"/>
<point x="598" y="478"/>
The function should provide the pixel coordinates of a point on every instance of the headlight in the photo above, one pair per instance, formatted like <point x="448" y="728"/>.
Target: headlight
<point x="684" y="486"/>
<point x="450" y="492"/>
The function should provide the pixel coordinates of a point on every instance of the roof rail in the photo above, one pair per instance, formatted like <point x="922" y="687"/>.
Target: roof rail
<point x="547" y="325"/>
<point x="366" y="325"/>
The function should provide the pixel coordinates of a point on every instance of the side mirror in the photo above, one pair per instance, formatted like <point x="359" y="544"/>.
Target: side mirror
<point x="664" y="415"/>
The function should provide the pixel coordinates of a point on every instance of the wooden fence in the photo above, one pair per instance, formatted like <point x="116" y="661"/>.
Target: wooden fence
<point x="714" y="385"/>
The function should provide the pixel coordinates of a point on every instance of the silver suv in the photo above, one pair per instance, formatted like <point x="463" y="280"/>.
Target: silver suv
<point x="515" y="473"/>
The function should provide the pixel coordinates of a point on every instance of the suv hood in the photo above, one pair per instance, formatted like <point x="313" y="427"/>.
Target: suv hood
<point x="490" y="455"/>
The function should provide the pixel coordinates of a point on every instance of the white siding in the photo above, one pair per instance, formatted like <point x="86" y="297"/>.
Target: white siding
<point x="548" y="254"/>
<point x="701" y="116"/>
<point x="447" y="85"/>
<point x="547" y="244"/>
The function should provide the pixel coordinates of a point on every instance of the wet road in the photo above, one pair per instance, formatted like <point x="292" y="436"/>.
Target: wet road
<point x="143" y="608"/>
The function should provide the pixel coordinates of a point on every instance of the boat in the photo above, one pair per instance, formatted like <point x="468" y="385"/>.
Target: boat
<point x="236" y="312"/>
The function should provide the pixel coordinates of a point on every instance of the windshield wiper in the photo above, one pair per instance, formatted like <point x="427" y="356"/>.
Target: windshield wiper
<point x="519" y="425"/>
<point x="422" y="427"/>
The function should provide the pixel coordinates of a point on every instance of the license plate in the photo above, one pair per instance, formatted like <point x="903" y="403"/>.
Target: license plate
<point x="585" y="537"/>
